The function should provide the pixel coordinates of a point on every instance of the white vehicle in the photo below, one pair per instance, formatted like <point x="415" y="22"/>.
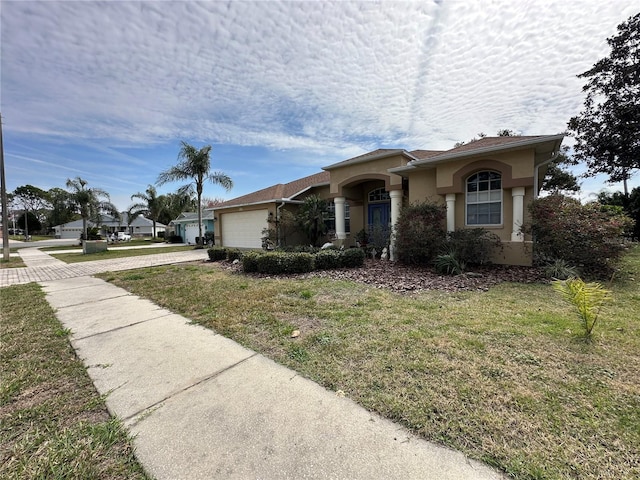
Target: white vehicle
<point x="123" y="237"/>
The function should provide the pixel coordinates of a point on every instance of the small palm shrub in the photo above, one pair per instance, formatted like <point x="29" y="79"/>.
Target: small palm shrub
<point x="587" y="298"/>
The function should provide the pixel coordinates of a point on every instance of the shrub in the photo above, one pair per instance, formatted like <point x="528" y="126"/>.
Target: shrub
<point x="449" y="264"/>
<point x="217" y="253"/>
<point x="250" y="261"/>
<point x="472" y="245"/>
<point x="328" y="259"/>
<point x="282" y="262"/>
<point x="582" y="235"/>
<point x="234" y="254"/>
<point x="559" y="269"/>
<point x="420" y="233"/>
<point x="175" y="239"/>
<point x="352" y="257"/>
<point x="587" y="298"/>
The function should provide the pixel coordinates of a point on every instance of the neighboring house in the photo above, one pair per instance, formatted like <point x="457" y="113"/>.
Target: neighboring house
<point x="186" y="225"/>
<point x="140" y="227"/>
<point x="485" y="183"/>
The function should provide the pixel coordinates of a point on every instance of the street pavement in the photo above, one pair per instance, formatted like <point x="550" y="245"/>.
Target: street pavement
<point x="200" y="406"/>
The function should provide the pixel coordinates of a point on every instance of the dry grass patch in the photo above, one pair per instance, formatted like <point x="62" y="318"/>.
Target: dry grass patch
<point x="502" y="375"/>
<point x="54" y="423"/>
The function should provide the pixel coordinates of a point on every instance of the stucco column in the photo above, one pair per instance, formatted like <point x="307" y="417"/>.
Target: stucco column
<point x="396" y="206"/>
<point x="518" y="214"/>
<point x="339" y="211"/>
<point x="451" y="211"/>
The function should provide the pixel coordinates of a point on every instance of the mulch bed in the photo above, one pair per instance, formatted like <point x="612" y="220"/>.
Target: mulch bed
<point x="411" y="279"/>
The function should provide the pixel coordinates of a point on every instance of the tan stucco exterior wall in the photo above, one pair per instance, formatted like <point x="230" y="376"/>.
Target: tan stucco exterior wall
<point x="358" y="172"/>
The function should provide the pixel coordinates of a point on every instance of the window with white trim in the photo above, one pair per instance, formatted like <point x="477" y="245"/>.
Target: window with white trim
<point x="330" y="220"/>
<point x="484" y="199"/>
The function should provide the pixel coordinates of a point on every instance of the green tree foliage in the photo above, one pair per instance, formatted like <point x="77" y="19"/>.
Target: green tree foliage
<point x="174" y="205"/>
<point x="194" y="164"/>
<point x="585" y="236"/>
<point x="311" y="217"/>
<point x="630" y="204"/>
<point x="151" y="205"/>
<point x="557" y="178"/>
<point x="29" y="223"/>
<point x="607" y="131"/>
<point x="61" y="208"/>
<point x="89" y="203"/>
<point x="32" y="200"/>
<point x="420" y="233"/>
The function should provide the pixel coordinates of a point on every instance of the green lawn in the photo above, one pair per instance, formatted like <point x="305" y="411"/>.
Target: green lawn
<point x="500" y="375"/>
<point x="117" y="253"/>
<point x="54" y="423"/>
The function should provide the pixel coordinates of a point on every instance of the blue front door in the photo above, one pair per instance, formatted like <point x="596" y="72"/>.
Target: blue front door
<point x="379" y="214"/>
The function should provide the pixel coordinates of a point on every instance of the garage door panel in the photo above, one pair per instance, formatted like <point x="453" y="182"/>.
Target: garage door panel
<point x="243" y="229"/>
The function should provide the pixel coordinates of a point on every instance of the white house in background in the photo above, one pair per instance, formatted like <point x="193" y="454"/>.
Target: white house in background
<point x="186" y="225"/>
<point x="140" y="227"/>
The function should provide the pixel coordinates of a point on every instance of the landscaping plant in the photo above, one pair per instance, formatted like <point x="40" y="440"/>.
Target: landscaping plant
<point x="587" y="298"/>
<point x="420" y="233"/>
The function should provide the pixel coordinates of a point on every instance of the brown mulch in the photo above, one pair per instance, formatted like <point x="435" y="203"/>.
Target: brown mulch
<point x="411" y="279"/>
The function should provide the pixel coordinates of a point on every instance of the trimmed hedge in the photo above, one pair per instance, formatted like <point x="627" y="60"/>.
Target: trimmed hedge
<point x="217" y="254"/>
<point x="278" y="262"/>
<point x="352" y="257"/>
<point x="281" y="262"/>
<point x="234" y="254"/>
<point x="328" y="259"/>
<point x="250" y="261"/>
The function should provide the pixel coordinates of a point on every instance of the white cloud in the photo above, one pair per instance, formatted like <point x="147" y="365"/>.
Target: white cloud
<point x="327" y="78"/>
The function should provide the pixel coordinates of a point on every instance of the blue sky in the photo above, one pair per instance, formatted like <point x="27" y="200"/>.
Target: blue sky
<point x="107" y="90"/>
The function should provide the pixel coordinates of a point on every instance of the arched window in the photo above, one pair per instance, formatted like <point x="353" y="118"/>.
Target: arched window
<point x="484" y="199"/>
<point x="379" y="195"/>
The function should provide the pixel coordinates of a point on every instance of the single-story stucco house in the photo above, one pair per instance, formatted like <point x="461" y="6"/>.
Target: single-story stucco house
<point x="485" y="183"/>
<point x="140" y="227"/>
<point x="186" y="225"/>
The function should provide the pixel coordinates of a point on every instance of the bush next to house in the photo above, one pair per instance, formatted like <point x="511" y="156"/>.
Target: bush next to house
<point x="328" y="259"/>
<point x="234" y="254"/>
<point x="352" y="257"/>
<point x="420" y="233"/>
<point x="585" y="236"/>
<point x="250" y="261"/>
<point x="217" y="254"/>
<point x="472" y="246"/>
<point x="175" y="239"/>
<point x="284" y="262"/>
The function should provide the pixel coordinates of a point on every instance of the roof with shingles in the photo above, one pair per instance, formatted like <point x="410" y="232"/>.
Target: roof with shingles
<point x="280" y="191"/>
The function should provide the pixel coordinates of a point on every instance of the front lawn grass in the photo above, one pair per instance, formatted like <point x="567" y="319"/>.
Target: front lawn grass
<point x="54" y="423"/>
<point x="13" y="262"/>
<point x="117" y="253"/>
<point x="502" y="375"/>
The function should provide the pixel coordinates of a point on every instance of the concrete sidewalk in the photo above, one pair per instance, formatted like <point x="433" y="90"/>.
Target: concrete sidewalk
<point x="201" y="406"/>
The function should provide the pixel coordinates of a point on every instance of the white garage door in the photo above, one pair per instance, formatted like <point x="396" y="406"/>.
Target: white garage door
<point x="191" y="232"/>
<point x="243" y="229"/>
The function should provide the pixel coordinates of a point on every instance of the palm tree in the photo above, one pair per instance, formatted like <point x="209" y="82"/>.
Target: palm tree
<point x="151" y="206"/>
<point x="89" y="202"/>
<point x="311" y="217"/>
<point x="194" y="164"/>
